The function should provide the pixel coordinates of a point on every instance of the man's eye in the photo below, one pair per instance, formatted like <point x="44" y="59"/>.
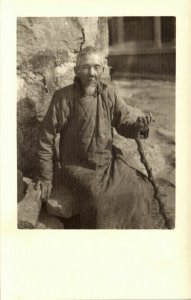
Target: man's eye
<point x="97" y="68"/>
<point x="87" y="67"/>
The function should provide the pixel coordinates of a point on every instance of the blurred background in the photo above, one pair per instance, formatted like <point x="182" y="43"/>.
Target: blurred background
<point x="142" y="47"/>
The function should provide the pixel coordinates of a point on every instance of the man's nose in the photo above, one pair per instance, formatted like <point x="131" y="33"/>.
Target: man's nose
<point x="91" y="71"/>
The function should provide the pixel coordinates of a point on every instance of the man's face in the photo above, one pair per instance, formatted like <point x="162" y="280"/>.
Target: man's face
<point x="89" y="70"/>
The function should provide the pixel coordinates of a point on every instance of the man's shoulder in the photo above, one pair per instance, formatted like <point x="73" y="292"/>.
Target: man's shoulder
<point x="109" y="90"/>
<point x="65" y="91"/>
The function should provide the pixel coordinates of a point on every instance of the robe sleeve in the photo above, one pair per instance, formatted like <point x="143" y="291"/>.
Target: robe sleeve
<point x="49" y="129"/>
<point x="123" y="123"/>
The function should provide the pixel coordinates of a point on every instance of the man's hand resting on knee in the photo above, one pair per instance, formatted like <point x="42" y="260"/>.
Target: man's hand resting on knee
<point x="46" y="187"/>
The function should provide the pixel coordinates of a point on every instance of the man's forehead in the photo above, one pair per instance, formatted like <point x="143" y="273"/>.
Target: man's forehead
<point x="91" y="58"/>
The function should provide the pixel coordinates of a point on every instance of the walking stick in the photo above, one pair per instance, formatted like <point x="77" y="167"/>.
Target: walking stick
<point x="168" y="221"/>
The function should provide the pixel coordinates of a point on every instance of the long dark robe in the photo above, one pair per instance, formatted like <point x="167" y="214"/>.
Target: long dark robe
<point x="95" y="171"/>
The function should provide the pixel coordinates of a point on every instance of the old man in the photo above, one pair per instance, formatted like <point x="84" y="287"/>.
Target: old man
<point x="111" y="193"/>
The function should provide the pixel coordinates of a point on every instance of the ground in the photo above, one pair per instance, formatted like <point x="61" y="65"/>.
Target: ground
<point x="158" y="98"/>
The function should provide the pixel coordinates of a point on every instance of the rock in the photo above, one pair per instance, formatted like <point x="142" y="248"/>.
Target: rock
<point x="49" y="223"/>
<point x="30" y="148"/>
<point x="46" y="221"/>
<point x="152" y="152"/>
<point x="64" y="74"/>
<point x="35" y="101"/>
<point x="62" y="203"/>
<point x="48" y="34"/>
<point x="28" y="208"/>
<point x="171" y="177"/>
<point x="21" y="88"/>
<point x="89" y="28"/>
<point x="157" y="218"/>
<point x="167" y="193"/>
<point x="168" y="190"/>
<point x="20" y="140"/>
<point x="20" y="186"/>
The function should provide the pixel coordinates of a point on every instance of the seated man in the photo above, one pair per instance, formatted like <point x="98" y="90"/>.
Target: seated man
<point x="111" y="193"/>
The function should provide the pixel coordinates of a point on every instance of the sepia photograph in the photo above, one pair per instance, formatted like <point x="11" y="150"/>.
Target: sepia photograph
<point x="96" y="122"/>
<point x="95" y="145"/>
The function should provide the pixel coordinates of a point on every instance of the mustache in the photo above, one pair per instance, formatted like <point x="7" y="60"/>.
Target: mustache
<point x="92" y="79"/>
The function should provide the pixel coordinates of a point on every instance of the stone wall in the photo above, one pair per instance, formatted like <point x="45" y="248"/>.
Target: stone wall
<point x="46" y="54"/>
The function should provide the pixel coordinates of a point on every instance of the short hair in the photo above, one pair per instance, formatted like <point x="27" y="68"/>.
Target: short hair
<point x="88" y="50"/>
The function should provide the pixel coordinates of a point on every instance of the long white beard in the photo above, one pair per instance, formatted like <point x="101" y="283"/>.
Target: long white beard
<point x="90" y="90"/>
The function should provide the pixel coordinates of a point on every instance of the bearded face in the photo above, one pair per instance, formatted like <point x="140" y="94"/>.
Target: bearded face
<point x="89" y="71"/>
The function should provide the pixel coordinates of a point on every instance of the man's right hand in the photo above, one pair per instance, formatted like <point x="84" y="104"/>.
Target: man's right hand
<point x="46" y="187"/>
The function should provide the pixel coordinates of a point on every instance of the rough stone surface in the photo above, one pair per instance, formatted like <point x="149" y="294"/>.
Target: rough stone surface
<point x="152" y="152"/>
<point x="167" y="192"/>
<point x="28" y="208"/>
<point x="46" y="54"/>
<point x="20" y="186"/>
<point x="62" y="203"/>
<point x="49" y="223"/>
<point x="46" y="221"/>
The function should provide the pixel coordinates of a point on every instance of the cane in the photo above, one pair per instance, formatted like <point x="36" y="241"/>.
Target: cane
<point x="169" y="224"/>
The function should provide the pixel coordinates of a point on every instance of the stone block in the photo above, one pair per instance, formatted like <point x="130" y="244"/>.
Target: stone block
<point x="20" y="186"/>
<point x="62" y="203"/>
<point x="46" y="221"/>
<point x="152" y="152"/>
<point x="167" y="189"/>
<point x="28" y="208"/>
<point x="64" y="74"/>
<point x="49" y="223"/>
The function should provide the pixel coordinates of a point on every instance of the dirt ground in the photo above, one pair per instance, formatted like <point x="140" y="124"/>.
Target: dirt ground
<point x="158" y="98"/>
